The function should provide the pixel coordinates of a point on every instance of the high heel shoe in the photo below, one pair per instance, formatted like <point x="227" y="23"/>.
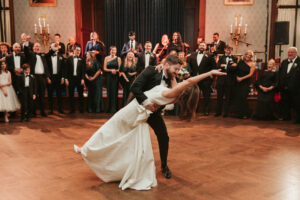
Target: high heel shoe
<point x="76" y="149"/>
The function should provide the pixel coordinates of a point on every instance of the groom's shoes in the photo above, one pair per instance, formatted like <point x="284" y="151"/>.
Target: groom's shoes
<point x="166" y="172"/>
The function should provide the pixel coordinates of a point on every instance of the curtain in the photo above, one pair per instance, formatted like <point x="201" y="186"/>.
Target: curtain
<point x="5" y="21"/>
<point x="150" y="19"/>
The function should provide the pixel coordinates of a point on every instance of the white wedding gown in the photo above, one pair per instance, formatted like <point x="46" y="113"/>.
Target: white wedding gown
<point x="121" y="149"/>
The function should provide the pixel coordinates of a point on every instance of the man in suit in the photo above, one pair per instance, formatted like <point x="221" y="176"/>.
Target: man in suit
<point x="26" y="39"/>
<point x="27" y="90"/>
<point x="289" y="85"/>
<point x="146" y="58"/>
<point x="148" y="79"/>
<point x="14" y="63"/>
<point x="201" y="62"/>
<point x="56" y="65"/>
<point x="39" y="69"/>
<point x="61" y="46"/>
<point x="227" y="63"/>
<point x="75" y="70"/>
<point x="217" y="46"/>
<point x="131" y="45"/>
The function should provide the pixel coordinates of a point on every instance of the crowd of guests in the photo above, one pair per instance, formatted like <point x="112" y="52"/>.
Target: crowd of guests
<point x="27" y="74"/>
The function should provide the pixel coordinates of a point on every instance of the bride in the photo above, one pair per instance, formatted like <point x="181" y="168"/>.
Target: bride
<point x="121" y="149"/>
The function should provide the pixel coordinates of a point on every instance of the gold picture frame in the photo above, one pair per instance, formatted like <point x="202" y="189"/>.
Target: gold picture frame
<point x="42" y="3"/>
<point x="238" y="2"/>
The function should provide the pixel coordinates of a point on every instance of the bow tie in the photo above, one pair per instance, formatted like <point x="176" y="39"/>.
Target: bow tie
<point x="147" y="53"/>
<point x="54" y="55"/>
<point x="75" y="57"/>
<point x="38" y="54"/>
<point x="17" y="54"/>
<point x="227" y="56"/>
<point x="27" y="75"/>
<point x="290" y="61"/>
<point x="200" y="52"/>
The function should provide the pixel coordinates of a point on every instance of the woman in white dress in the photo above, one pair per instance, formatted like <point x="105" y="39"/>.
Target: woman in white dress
<point x="121" y="149"/>
<point x="8" y="98"/>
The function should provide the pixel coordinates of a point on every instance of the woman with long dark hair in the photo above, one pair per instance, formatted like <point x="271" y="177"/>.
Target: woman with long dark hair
<point x="176" y="43"/>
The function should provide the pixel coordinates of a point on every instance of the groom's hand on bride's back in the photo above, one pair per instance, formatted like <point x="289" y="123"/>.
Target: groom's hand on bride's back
<point x="152" y="107"/>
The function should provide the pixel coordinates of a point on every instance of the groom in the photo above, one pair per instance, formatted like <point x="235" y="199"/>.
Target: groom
<point x="148" y="79"/>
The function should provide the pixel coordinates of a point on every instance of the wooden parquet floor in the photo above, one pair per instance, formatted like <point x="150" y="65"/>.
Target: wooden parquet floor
<point x="210" y="158"/>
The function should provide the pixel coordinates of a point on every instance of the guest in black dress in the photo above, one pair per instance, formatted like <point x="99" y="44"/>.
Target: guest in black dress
<point x="161" y="48"/>
<point x="128" y="74"/>
<point x="111" y="66"/>
<point x="93" y="79"/>
<point x="266" y="83"/>
<point x="176" y="43"/>
<point x="244" y="72"/>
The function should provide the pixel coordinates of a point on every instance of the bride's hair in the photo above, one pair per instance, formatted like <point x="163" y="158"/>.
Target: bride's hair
<point x="188" y="101"/>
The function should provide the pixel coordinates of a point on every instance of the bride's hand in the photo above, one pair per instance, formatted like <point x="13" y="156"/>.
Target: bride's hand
<point x="217" y="72"/>
<point x="159" y="67"/>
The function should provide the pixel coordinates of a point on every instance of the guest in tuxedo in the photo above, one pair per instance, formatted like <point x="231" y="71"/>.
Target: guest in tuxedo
<point x="74" y="78"/>
<point x="25" y="39"/>
<point x="289" y="85"/>
<point x="93" y="78"/>
<point x="225" y="84"/>
<point x="15" y="62"/>
<point x="128" y="74"/>
<point x="56" y="65"/>
<point x="39" y="69"/>
<point x="4" y="49"/>
<point x="148" y="79"/>
<point x="96" y="46"/>
<point x="217" y="46"/>
<point x="160" y="49"/>
<point x="146" y="58"/>
<point x="27" y="91"/>
<point x="111" y="66"/>
<point x="61" y="46"/>
<point x="200" y="63"/>
<point x="244" y="72"/>
<point x="266" y="84"/>
<point x="176" y="43"/>
<point x="131" y="45"/>
<point x="71" y="45"/>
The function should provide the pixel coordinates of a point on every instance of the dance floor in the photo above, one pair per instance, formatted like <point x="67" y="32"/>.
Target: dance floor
<point x="210" y="158"/>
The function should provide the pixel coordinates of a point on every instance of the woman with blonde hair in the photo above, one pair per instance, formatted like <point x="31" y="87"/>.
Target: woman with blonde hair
<point x="96" y="46"/>
<point x="93" y="78"/>
<point x="128" y="73"/>
<point x="244" y="72"/>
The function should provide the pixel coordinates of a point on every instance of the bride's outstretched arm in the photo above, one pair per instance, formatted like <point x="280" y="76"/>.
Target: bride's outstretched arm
<point x="177" y="90"/>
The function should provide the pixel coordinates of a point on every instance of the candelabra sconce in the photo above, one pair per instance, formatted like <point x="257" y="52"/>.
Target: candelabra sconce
<point x="238" y="32"/>
<point x="42" y="32"/>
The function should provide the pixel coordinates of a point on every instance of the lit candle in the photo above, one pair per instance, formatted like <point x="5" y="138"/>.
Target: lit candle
<point x="48" y="28"/>
<point x="241" y="22"/>
<point x="41" y="29"/>
<point x="35" y="29"/>
<point x="44" y="22"/>
<point x="39" y="21"/>
<point x="239" y="30"/>
<point x="231" y="29"/>
<point x="246" y="25"/>
<point x="235" y="21"/>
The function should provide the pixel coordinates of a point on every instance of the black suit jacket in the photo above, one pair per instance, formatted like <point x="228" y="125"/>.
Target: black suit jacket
<point x="11" y="64"/>
<point x="141" y="62"/>
<point x="148" y="79"/>
<point x="207" y="63"/>
<point x="126" y="48"/>
<point x="230" y="78"/>
<point x="62" y="49"/>
<point x="21" y="85"/>
<point x="220" y="48"/>
<point x="70" y="67"/>
<point x="60" y="64"/>
<point x="290" y="81"/>
<point x="31" y="60"/>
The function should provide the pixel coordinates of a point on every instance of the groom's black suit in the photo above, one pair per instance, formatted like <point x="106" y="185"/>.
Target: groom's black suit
<point x="148" y="79"/>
